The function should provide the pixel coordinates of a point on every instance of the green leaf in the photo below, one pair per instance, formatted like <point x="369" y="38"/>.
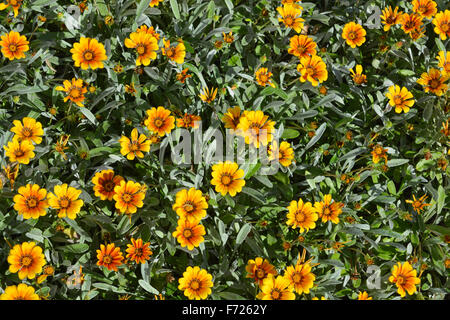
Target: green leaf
<point x="439" y="229"/>
<point x="396" y="162"/>
<point x="147" y="287"/>
<point x="175" y="9"/>
<point x="144" y="4"/>
<point x="441" y="199"/>
<point x="243" y="233"/>
<point x="319" y="133"/>
<point x="89" y="115"/>
<point x="74" y="248"/>
<point x="252" y="170"/>
<point x="290" y="134"/>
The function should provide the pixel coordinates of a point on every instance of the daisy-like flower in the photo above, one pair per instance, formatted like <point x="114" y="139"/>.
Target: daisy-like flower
<point x="228" y="38"/>
<point x="426" y="8"/>
<point x="135" y="145"/>
<point x="19" y="292"/>
<point x="20" y="151"/>
<point x="232" y="118"/>
<point x="159" y="121"/>
<point x="259" y="269"/>
<point x="283" y="153"/>
<point x="327" y="210"/>
<point x="74" y="90"/>
<point x="129" y="196"/>
<point x="104" y="183"/>
<point x="418" y="33"/>
<point x="302" y="46"/>
<point x="27" y="259"/>
<point x="190" y="204"/>
<point x="433" y="81"/>
<point x="354" y="34"/>
<point x="444" y="63"/>
<point x="183" y="75"/>
<point x="208" y="95"/>
<point x="15" y="4"/>
<point x="155" y="3"/>
<point x="390" y="17"/>
<point x="11" y="172"/>
<point x="442" y="24"/>
<point x="28" y="129"/>
<point x="228" y="178"/>
<point x="301" y="215"/>
<point x="189" y="121"/>
<point x="278" y="288"/>
<point x="405" y="278"/>
<point x="400" y="98"/>
<point x="189" y="233"/>
<point x="88" y="53"/>
<point x="146" y="46"/>
<point x="196" y="283"/>
<point x="378" y="153"/>
<point x="263" y="76"/>
<point x="411" y="22"/>
<point x="256" y="128"/>
<point x="150" y="30"/>
<point x="300" y="277"/>
<point x="175" y="53"/>
<point x="46" y="272"/>
<point x="418" y="204"/>
<point x="446" y="128"/>
<point x="138" y="251"/>
<point x="290" y="16"/>
<point x="65" y="200"/>
<point x="31" y="201"/>
<point x="364" y="296"/>
<point x="14" y="45"/>
<point x="313" y="69"/>
<point x="358" y="76"/>
<point x="109" y="256"/>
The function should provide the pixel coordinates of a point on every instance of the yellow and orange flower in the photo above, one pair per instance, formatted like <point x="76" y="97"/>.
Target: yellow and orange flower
<point x="183" y="75"/>
<point x="442" y="24"/>
<point x="189" y="121"/>
<point x="259" y="269"/>
<point x="378" y="153"/>
<point x="228" y="178"/>
<point x="358" y="76"/>
<point x="354" y="34"/>
<point x="232" y="118"/>
<point x="104" y="183"/>
<point x="135" y="145"/>
<point x="418" y="204"/>
<point x="400" y="98"/>
<point x="291" y="16"/>
<point x="444" y="63"/>
<point x="433" y="81"/>
<point x="29" y="129"/>
<point x="47" y="271"/>
<point x="208" y="95"/>
<point x="11" y="172"/>
<point x="155" y="3"/>
<point x="284" y="153"/>
<point x="31" y="201"/>
<point x="327" y="210"/>
<point x="159" y="121"/>
<point x="175" y="53"/>
<point x="302" y="46"/>
<point x="19" y="292"/>
<point x="256" y="128"/>
<point x="138" y="251"/>
<point x="405" y="278"/>
<point x="196" y="283"/>
<point x="300" y="277"/>
<point x="146" y="46"/>
<point x="20" y="151"/>
<point x="426" y="8"/>
<point x="150" y="30"/>
<point x="14" y="45"/>
<point x="88" y="53"/>
<point x="27" y="259"/>
<point x="74" y="90"/>
<point x="228" y="38"/>
<point x="313" y="69"/>
<point x="278" y="288"/>
<point x="263" y="76"/>
<point x="65" y="200"/>
<point x="189" y="233"/>
<point x="15" y="4"/>
<point x="109" y="256"/>
<point x="390" y="17"/>
<point x="411" y="22"/>
<point x="364" y="296"/>
<point x="129" y="196"/>
<point x="301" y="215"/>
<point x="190" y="204"/>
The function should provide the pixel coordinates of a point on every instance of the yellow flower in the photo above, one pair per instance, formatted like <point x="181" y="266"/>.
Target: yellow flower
<point x="390" y="17"/>
<point x="66" y="201"/>
<point x="426" y="8"/>
<point x="364" y="296"/>
<point x="411" y="22"/>
<point x="27" y="259"/>
<point x="301" y="215"/>
<point x="302" y="46"/>
<point x="228" y="178"/>
<point x="300" y="277"/>
<point x="75" y="91"/>
<point x="284" y="153"/>
<point x="405" y="278"/>
<point x="176" y="54"/>
<point x="256" y="128"/>
<point x="354" y="34"/>
<point x="189" y="233"/>
<point x="378" y="153"/>
<point x="189" y="121"/>
<point x="444" y="63"/>
<point x="149" y="30"/>
<point x="232" y="118"/>
<point x="31" y="202"/>
<point x="259" y="269"/>
<point x="15" y="4"/>
<point x="30" y="130"/>
<point x="196" y="283"/>
<point x="418" y="204"/>
<point x="182" y="76"/>
<point x="263" y="76"/>
<point x="129" y="196"/>
<point x="88" y="53"/>
<point x="190" y="204"/>
<point x="155" y="3"/>
<point x="228" y="38"/>
<point x="159" y="121"/>
<point x="433" y="81"/>
<point x="290" y="16"/>
<point x="146" y="46"/>
<point x="19" y="292"/>
<point x="400" y="98"/>
<point x="327" y="210"/>
<point x="47" y="271"/>
<point x="14" y="45"/>
<point x="358" y="77"/>
<point x="104" y="183"/>
<point x="20" y="151"/>
<point x="278" y="288"/>
<point x="208" y="95"/>
<point x="134" y="147"/>
<point x="442" y="24"/>
<point x="313" y="69"/>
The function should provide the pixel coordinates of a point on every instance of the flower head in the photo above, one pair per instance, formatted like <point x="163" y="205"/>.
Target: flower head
<point x="278" y="288"/>
<point x="259" y="269"/>
<point x="425" y="8"/>
<point x="327" y="210"/>
<point x="159" y="121"/>
<point x="442" y="24"/>
<point x="138" y="251"/>
<point x="256" y="128"/>
<point x="411" y="22"/>
<point x="405" y="278"/>
<point x="74" y="90"/>
<point x="433" y="81"/>
<point x="190" y="204"/>
<point x="313" y="69"/>
<point x="358" y="76"/>
<point x="146" y="46"/>
<point x="418" y="204"/>
<point x="196" y="283"/>
<point x="65" y="200"/>
<point x="232" y="118"/>
<point x="189" y="121"/>
<point x="189" y="233"/>
<point x="28" y="129"/>
<point x="390" y="17"/>
<point x="104" y="183"/>
<point x="400" y="98"/>
<point x="14" y="45"/>
<point x="263" y="76"/>
<point x="208" y="95"/>
<point x="109" y="256"/>
<point x="129" y="196"/>
<point x="175" y="53"/>
<point x="444" y="63"/>
<point x="290" y="16"/>
<point x="302" y="46"/>
<point x="283" y="153"/>
<point x="31" y="201"/>
<point x="300" y="277"/>
<point x="15" y="4"/>
<point x="354" y="34"/>
<point x="27" y="259"/>
<point x="88" y="53"/>
<point x="364" y="296"/>
<point x="135" y="145"/>
<point x="183" y="75"/>
<point x="19" y="292"/>
<point x="20" y="151"/>
<point x="301" y="215"/>
<point x="228" y="178"/>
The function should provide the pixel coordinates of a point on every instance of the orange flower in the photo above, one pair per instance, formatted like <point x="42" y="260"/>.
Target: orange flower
<point x="138" y="251"/>
<point x="426" y="8"/>
<point x="228" y="38"/>
<point x="364" y="296"/>
<point x="135" y="145"/>
<point x="196" y="283"/>
<point x="27" y="259"/>
<point x="176" y="54"/>
<point x="129" y="196"/>
<point x="411" y="22"/>
<point x="231" y="118"/>
<point x="19" y="292"/>
<point x="259" y="270"/>
<point x="66" y="201"/>
<point x="20" y="151"/>
<point x="418" y="204"/>
<point x="263" y="76"/>
<point x="256" y="128"/>
<point x="189" y="233"/>
<point x="405" y="278"/>
<point x="433" y="81"/>
<point x="146" y="46"/>
<point x="302" y="46"/>
<point x="15" y="4"/>
<point x="290" y="16"/>
<point x="300" y="277"/>
<point x="400" y="98"/>
<point x="155" y="3"/>
<point x="188" y="121"/>
<point x="278" y="288"/>
<point x="390" y="17"/>
<point x="14" y="45"/>
<point x="358" y="77"/>
<point x="109" y="256"/>
<point x="31" y="202"/>
<point x="283" y="153"/>
<point x="182" y="76"/>
<point x="327" y="210"/>
<point x="104" y="183"/>
<point x="444" y="62"/>
<point x="301" y="215"/>
<point x="88" y="53"/>
<point x="208" y="95"/>
<point x="30" y="130"/>
<point x="75" y="91"/>
<point x="354" y="34"/>
<point x="378" y="153"/>
<point x="442" y="24"/>
<point x="190" y="204"/>
<point x="313" y="69"/>
<point x="159" y="121"/>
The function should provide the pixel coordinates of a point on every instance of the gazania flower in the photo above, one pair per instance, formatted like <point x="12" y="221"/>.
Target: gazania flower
<point x="364" y="296"/>
<point x="104" y="183"/>
<point x="390" y="17"/>
<point x="442" y="24"/>
<point x="302" y="46"/>
<point x="259" y="269"/>
<point x="75" y="91"/>
<point x="150" y="30"/>
<point x="418" y="204"/>
<point x="130" y="89"/>
<point x="109" y="256"/>
<point x="405" y="278"/>
<point x="188" y="121"/>
<point x="228" y="178"/>
<point x="426" y="8"/>
<point x="20" y="151"/>
<point x="27" y="259"/>
<point x="155" y="3"/>
<point x="47" y="271"/>
<point x="88" y="53"/>
<point x="327" y="210"/>
<point x="190" y="204"/>
<point x="177" y="53"/>
<point x="300" y="277"/>
<point x="290" y="16"/>
<point x="358" y="76"/>
<point x="14" y="45"/>
<point x="256" y="128"/>
<point x="138" y="251"/>
<point x="411" y="22"/>
<point x="189" y="233"/>
<point x="159" y="121"/>
<point x="433" y="81"/>
<point x="208" y="95"/>
<point x="129" y="196"/>
<point x="400" y="98"/>
<point x="379" y="153"/>
<point x="444" y="62"/>
<point x="65" y="200"/>
<point x="11" y="172"/>
<point x="183" y="75"/>
<point x="30" y="130"/>
<point x="284" y="153"/>
<point x="232" y="118"/>
<point x="278" y="288"/>
<point x="146" y="46"/>
<point x="196" y="283"/>
<point x="263" y="76"/>
<point x="134" y="146"/>
<point x="19" y="292"/>
<point x="354" y="34"/>
<point x="31" y="202"/>
<point x="15" y="4"/>
<point x="445" y="128"/>
<point x="301" y="215"/>
<point x="313" y="69"/>
<point x="417" y="33"/>
<point x="228" y="38"/>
